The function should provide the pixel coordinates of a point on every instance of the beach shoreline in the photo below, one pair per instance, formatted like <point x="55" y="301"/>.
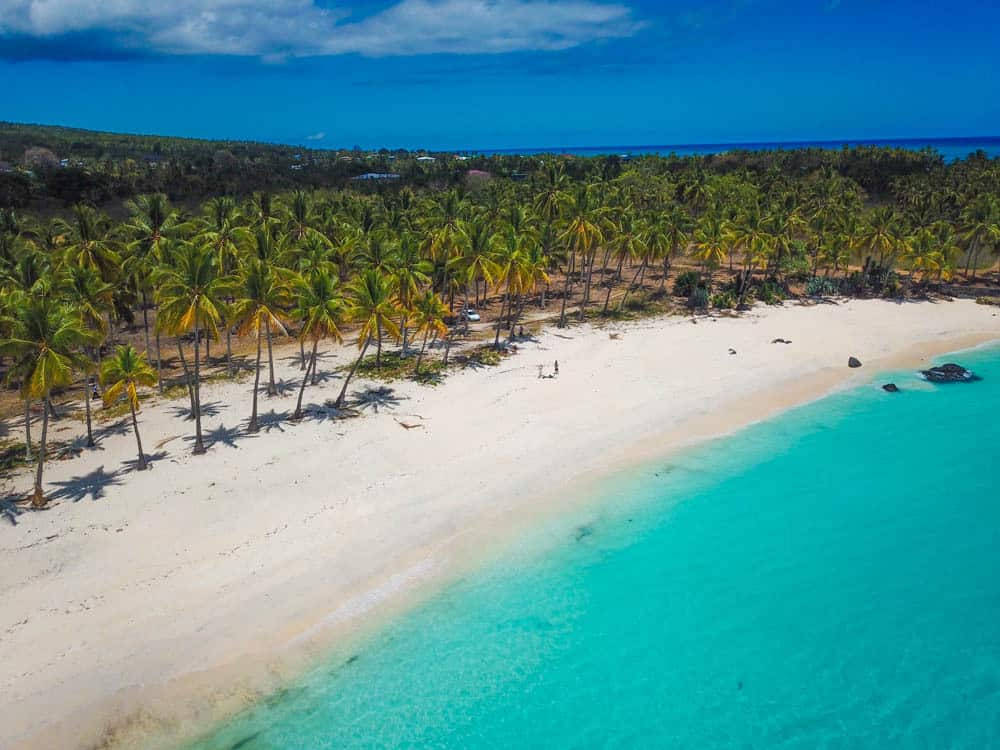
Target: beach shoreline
<point x="274" y="566"/>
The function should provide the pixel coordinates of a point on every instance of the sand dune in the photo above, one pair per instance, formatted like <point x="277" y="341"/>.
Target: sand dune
<point x="153" y="601"/>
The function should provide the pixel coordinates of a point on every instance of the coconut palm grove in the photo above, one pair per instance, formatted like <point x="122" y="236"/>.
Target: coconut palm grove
<point x="142" y="277"/>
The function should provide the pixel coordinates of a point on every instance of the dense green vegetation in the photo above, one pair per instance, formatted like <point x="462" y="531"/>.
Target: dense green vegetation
<point x="397" y="260"/>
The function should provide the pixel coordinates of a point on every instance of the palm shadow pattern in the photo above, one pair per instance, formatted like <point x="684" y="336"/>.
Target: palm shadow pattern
<point x="209" y="409"/>
<point x="382" y="397"/>
<point x="93" y="485"/>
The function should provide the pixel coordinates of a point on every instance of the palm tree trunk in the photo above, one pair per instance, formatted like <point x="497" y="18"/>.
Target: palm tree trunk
<point x="566" y="290"/>
<point x="618" y="276"/>
<point x="145" y="320"/>
<point x="447" y="348"/>
<point x="138" y="441"/>
<point x="27" y="429"/>
<point x="465" y="307"/>
<point x="252" y="427"/>
<point x="271" y="388"/>
<point x="38" y="499"/>
<point x="378" y="343"/>
<point x="420" y="356"/>
<point x="229" y="350"/>
<point x="496" y="339"/>
<point x="86" y="397"/>
<point x="586" y="286"/>
<point x="187" y="374"/>
<point x="402" y="326"/>
<point x="302" y="356"/>
<point x="968" y="256"/>
<point x="343" y="391"/>
<point x="621" y="305"/>
<point x="305" y="379"/>
<point x="159" y="365"/>
<point x="199" y="446"/>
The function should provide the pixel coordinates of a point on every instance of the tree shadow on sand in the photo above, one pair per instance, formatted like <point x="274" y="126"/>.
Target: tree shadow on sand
<point x="227" y="436"/>
<point x="325" y="376"/>
<point x="375" y="398"/>
<point x="94" y="485"/>
<point x="210" y="409"/>
<point x="9" y="508"/>
<point x="282" y="387"/>
<point x="151" y="458"/>
<point x="272" y="420"/>
<point x="121" y="427"/>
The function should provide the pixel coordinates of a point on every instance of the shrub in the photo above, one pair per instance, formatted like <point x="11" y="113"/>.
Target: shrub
<point x="698" y="298"/>
<point x="686" y="282"/>
<point x="821" y="287"/>
<point x="770" y="293"/>
<point x="724" y="300"/>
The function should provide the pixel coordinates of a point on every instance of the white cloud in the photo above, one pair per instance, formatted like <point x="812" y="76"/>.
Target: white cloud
<point x="281" y="28"/>
<point x="316" y="136"/>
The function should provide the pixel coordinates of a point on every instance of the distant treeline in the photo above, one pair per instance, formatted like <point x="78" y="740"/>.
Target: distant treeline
<point x="49" y="169"/>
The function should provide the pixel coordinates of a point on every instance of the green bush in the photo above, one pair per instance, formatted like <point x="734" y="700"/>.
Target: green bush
<point x="686" y="282"/>
<point x="698" y="299"/>
<point x="770" y="293"/>
<point x="820" y="287"/>
<point x="724" y="300"/>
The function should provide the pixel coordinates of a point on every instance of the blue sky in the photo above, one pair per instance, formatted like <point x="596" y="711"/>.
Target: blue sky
<point x="504" y="73"/>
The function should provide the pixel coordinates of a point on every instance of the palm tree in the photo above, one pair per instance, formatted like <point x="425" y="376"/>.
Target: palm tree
<point x="980" y="227"/>
<point x="228" y="239"/>
<point x="269" y="251"/>
<point x="91" y="297"/>
<point x="552" y="198"/>
<point x="429" y="312"/>
<point x="711" y="242"/>
<point x="373" y="305"/>
<point x="320" y="306"/>
<point x="262" y="294"/>
<point x="45" y="342"/>
<point x="122" y="375"/>
<point x="91" y="245"/>
<point x="152" y="219"/>
<point x="475" y="260"/>
<point x="191" y="295"/>
<point x="581" y="236"/>
<point x="409" y="272"/>
<point x="669" y="235"/>
<point x="923" y="253"/>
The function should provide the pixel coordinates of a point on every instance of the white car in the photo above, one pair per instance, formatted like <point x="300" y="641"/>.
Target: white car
<point x="471" y="315"/>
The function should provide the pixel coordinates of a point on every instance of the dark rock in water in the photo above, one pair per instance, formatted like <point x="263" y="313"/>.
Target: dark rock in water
<point x="949" y="373"/>
<point x="853" y="362"/>
<point x="890" y="388"/>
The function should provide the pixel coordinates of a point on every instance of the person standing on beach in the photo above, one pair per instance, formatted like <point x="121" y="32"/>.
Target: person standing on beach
<point x="556" y="368"/>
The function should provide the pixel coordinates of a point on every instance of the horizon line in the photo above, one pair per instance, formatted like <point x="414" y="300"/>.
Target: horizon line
<point x="868" y="140"/>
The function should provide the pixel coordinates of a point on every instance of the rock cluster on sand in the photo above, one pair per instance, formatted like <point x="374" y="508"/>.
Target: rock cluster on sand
<point x="853" y="362"/>
<point x="949" y="373"/>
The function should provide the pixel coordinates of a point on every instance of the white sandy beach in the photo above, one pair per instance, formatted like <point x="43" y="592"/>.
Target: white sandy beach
<point x="150" y="602"/>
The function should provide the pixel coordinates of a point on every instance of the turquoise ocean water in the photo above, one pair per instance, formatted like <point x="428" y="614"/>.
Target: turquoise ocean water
<point x="827" y="579"/>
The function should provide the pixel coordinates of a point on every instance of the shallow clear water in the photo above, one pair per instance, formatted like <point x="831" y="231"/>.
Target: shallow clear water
<point x="828" y="579"/>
